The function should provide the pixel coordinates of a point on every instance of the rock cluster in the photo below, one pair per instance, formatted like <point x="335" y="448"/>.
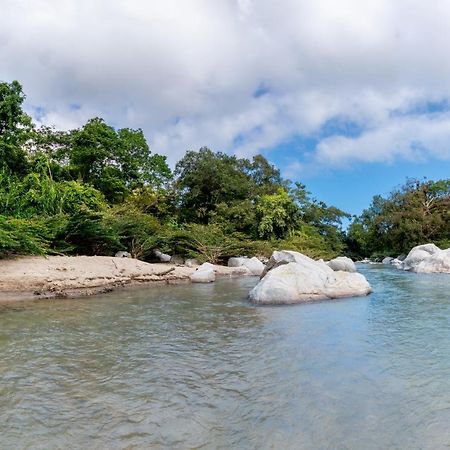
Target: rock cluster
<point x="292" y="277"/>
<point x="253" y="265"/>
<point x="427" y="258"/>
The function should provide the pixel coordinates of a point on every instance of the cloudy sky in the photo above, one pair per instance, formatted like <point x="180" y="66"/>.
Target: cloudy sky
<point x="349" y="97"/>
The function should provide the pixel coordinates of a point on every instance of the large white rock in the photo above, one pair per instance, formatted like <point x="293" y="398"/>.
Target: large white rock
<point x="427" y="258"/>
<point x="254" y="265"/>
<point x="304" y="279"/>
<point x="342" y="263"/>
<point x="387" y="260"/>
<point x="204" y="274"/>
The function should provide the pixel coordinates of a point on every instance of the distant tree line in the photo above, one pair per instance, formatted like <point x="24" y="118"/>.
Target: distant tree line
<point x="97" y="190"/>
<point x="416" y="213"/>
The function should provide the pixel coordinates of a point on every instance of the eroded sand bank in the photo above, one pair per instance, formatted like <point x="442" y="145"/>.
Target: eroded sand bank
<point x="73" y="276"/>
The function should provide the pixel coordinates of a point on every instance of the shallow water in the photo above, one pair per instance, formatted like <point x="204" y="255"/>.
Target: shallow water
<point x="196" y="366"/>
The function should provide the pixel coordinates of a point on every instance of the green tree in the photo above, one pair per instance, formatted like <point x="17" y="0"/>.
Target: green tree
<point x="205" y="179"/>
<point x="277" y="215"/>
<point x="115" y="161"/>
<point x="15" y="127"/>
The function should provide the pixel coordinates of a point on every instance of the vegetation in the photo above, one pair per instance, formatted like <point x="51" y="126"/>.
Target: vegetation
<point x="416" y="213"/>
<point x="97" y="190"/>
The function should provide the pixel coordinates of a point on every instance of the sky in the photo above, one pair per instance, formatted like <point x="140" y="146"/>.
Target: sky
<point x="348" y="97"/>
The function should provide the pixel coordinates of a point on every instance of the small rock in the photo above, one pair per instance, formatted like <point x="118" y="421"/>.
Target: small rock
<point x="122" y="255"/>
<point x="204" y="274"/>
<point x="191" y="262"/>
<point x="163" y="257"/>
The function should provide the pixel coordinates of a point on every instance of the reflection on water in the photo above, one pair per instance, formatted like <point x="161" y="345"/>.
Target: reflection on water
<point x="196" y="366"/>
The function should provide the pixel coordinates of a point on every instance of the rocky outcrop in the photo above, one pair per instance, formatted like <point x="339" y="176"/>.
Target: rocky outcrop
<point x="204" y="274"/>
<point x="294" y="278"/>
<point x="342" y="263"/>
<point x="253" y="265"/>
<point x="427" y="258"/>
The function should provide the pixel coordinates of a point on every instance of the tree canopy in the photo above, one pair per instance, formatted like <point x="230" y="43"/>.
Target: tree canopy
<point x="98" y="189"/>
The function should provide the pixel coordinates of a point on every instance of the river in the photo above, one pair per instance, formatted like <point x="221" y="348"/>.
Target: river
<point x="197" y="367"/>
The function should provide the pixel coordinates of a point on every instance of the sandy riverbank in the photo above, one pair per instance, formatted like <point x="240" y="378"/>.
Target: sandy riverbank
<point x="74" y="276"/>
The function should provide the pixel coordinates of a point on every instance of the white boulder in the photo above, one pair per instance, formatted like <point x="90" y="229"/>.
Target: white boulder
<point x="342" y="263"/>
<point x="387" y="260"/>
<point x="204" y="274"/>
<point x="304" y="279"/>
<point x="427" y="258"/>
<point x="254" y="265"/>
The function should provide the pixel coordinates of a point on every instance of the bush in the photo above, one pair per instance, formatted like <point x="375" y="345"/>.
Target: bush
<point x="138" y="233"/>
<point x="37" y="195"/>
<point x="206" y="243"/>
<point x="309" y="242"/>
<point x="88" y="233"/>
<point x="22" y="236"/>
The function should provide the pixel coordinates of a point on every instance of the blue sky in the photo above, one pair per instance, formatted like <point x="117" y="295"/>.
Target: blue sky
<point x="352" y="189"/>
<point x="349" y="97"/>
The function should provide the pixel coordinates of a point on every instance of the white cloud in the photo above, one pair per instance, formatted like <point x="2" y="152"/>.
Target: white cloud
<point x="186" y="71"/>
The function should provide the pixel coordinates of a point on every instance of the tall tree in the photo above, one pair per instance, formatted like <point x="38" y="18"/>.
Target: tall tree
<point x="206" y="179"/>
<point x="115" y="161"/>
<point x="15" y="126"/>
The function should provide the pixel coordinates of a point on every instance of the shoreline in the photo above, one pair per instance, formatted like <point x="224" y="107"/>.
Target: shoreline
<point x="70" y="277"/>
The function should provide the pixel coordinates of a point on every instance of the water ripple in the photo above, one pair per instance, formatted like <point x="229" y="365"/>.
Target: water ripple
<point x="197" y="367"/>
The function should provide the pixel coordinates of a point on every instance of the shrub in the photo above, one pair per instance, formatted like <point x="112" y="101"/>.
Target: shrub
<point x="206" y="243"/>
<point x="88" y="233"/>
<point x="22" y="236"/>
<point x="138" y="233"/>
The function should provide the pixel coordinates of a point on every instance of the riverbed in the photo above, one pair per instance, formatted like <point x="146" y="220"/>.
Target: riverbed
<point x="198" y="367"/>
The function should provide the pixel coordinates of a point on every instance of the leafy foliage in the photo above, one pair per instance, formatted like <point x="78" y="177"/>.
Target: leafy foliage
<point x="22" y="236"/>
<point x="98" y="189"/>
<point x="416" y="213"/>
<point x="206" y="243"/>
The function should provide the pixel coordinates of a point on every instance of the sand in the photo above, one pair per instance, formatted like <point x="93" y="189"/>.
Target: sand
<point x="74" y="276"/>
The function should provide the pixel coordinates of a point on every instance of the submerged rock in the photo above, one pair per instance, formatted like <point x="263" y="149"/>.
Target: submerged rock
<point x="204" y="274"/>
<point x="295" y="278"/>
<point x="254" y="265"/>
<point x="427" y="258"/>
<point x="342" y="263"/>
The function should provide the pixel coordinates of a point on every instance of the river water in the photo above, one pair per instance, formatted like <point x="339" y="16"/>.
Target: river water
<point x="197" y="367"/>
